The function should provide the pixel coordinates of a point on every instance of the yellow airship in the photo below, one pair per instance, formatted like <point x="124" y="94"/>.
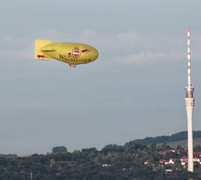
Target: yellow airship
<point x="71" y="53"/>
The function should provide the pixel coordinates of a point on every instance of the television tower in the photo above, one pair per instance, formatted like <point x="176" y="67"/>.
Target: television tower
<point x="189" y="103"/>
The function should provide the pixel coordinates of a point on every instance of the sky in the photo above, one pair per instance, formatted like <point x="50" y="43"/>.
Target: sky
<point x="135" y="89"/>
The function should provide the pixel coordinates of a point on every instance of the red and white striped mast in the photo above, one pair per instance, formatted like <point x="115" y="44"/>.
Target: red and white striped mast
<point x="189" y="103"/>
<point x="189" y="59"/>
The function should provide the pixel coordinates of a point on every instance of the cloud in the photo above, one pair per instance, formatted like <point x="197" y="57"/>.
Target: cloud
<point x="149" y="56"/>
<point x="139" y="48"/>
<point x="126" y="47"/>
<point x="133" y="47"/>
<point x="12" y="49"/>
<point x="28" y="106"/>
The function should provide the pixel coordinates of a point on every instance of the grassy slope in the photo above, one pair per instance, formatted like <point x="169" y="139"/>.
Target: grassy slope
<point x="183" y="143"/>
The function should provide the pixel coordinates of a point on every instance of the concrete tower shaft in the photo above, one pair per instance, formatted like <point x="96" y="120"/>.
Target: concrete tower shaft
<point x="189" y="102"/>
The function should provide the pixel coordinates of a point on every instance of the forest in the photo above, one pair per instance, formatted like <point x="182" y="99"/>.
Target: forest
<point x="111" y="163"/>
<point x="161" y="139"/>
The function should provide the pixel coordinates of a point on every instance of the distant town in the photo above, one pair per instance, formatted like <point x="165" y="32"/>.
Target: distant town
<point x="170" y="162"/>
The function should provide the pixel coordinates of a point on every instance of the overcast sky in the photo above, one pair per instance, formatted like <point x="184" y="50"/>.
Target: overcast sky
<point x="133" y="90"/>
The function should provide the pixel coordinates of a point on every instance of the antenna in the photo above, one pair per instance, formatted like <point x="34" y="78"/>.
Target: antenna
<point x="189" y="59"/>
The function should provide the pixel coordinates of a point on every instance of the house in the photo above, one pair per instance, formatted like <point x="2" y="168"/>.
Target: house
<point x="106" y="165"/>
<point x="183" y="150"/>
<point x="166" y="162"/>
<point x="147" y="162"/>
<point x="197" y="159"/>
<point x="184" y="161"/>
<point x="162" y="161"/>
<point x="172" y="161"/>
<point x="25" y="155"/>
<point x="168" y="170"/>
<point x="166" y="151"/>
<point x="197" y="154"/>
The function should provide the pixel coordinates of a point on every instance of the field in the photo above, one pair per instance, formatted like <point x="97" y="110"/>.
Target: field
<point x="183" y="143"/>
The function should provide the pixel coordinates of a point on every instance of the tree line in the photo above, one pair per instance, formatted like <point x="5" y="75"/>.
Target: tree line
<point x="162" y="139"/>
<point x="111" y="163"/>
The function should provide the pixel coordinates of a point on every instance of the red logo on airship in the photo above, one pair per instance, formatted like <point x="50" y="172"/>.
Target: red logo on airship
<point x="76" y="52"/>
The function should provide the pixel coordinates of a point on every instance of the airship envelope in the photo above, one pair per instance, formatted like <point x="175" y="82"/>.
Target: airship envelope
<point x="71" y="53"/>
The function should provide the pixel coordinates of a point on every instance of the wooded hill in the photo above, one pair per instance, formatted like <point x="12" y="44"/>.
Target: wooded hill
<point x="113" y="162"/>
<point x="124" y="163"/>
<point x="165" y="139"/>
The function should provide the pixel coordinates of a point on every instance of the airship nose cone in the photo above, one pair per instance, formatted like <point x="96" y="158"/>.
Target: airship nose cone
<point x="95" y="54"/>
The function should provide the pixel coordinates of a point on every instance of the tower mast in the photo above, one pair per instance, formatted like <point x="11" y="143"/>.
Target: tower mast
<point x="189" y="103"/>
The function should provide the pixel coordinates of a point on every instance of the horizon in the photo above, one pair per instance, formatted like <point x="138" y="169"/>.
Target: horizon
<point x="135" y="89"/>
<point x="124" y="143"/>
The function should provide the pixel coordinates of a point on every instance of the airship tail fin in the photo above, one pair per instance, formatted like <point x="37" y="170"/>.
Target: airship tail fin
<point x="38" y="45"/>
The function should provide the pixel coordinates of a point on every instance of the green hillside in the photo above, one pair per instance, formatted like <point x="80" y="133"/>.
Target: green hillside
<point x="183" y="143"/>
<point x="180" y="136"/>
<point x="132" y="161"/>
<point x="129" y="162"/>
